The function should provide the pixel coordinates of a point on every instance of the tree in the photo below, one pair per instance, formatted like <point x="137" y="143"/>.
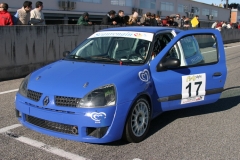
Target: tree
<point x="233" y="5"/>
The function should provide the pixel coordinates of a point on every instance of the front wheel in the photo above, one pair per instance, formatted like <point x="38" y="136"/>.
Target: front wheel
<point x="138" y="121"/>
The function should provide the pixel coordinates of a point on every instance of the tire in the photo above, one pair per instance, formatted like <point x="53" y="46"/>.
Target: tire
<point x="138" y="121"/>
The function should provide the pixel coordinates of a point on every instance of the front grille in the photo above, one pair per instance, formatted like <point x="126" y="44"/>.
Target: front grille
<point x="54" y="126"/>
<point x="50" y="109"/>
<point x="66" y="101"/>
<point x="34" y="95"/>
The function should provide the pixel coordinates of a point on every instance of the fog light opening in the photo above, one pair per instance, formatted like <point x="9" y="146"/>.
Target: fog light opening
<point x="96" y="132"/>
<point x="18" y="114"/>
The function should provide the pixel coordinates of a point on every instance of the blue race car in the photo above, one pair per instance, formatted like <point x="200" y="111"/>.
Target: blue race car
<point x="116" y="81"/>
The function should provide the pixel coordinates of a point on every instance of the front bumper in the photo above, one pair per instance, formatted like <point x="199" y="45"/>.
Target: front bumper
<point x="93" y="125"/>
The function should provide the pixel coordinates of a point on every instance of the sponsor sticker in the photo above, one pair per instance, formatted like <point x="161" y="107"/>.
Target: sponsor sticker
<point x="127" y="34"/>
<point x="144" y="75"/>
<point x="97" y="116"/>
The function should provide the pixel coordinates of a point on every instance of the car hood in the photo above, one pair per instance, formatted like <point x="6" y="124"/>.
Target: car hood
<point x="69" y="78"/>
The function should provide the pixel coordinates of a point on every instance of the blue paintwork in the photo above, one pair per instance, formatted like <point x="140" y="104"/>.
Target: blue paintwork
<point x="66" y="78"/>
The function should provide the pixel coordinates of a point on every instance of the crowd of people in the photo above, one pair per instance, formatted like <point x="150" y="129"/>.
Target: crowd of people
<point x="28" y="16"/>
<point x="148" y="19"/>
<point x="225" y="25"/>
<point x="151" y="19"/>
<point x="24" y="16"/>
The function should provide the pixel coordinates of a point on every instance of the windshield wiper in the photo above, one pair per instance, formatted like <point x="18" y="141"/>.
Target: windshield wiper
<point x="107" y="58"/>
<point x="79" y="58"/>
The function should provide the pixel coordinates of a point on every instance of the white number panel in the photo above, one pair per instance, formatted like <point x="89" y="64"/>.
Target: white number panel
<point x="193" y="88"/>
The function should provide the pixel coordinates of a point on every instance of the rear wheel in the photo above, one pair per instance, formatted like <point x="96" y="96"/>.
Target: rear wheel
<point x="138" y="121"/>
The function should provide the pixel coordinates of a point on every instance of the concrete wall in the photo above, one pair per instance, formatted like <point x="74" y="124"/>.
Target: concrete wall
<point x="26" y="48"/>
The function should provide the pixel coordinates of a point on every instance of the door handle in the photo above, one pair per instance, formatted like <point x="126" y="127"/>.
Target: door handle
<point x="217" y="74"/>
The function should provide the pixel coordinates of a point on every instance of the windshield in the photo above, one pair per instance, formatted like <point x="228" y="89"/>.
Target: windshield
<point x="113" y="49"/>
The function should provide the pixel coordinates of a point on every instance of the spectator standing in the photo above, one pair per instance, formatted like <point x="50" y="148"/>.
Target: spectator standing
<point x="224" y="25"/>
<point x="120" y="18"/>
<point x="153" y="21"/>
<point x="195" y="22"/>
<point x="36" y="15"/>
<point x="5" y="16"/>
<point x="109" y="19"/>
<point x="214" y="24"/>
<point x="158" y="19"/>
<point x="83" y="20"/>
<point x="178" y="20"/>
<point x="145" y="19"/>
<point x="22" y="15"/>
<point x="229" y="25"/>
<point x="182" y="21"/>
<point x="133" y="19"/>
<point x="186" y="21"/>
<point x="235" y="25"/>
<point x="171" y="22"/>
<point x="165" y="22"/>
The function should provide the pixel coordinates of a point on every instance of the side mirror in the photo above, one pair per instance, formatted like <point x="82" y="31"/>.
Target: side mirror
<point x="66" y="53"/>
<point x="170" y="63"/>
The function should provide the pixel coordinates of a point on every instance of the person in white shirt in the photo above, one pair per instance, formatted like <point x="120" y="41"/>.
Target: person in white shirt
<point x="214" y="24"/>
<point x="37" y="17"/>
<point x="229" y="26"/>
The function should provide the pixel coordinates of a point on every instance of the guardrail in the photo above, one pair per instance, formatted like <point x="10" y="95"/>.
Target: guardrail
<point x="26" y="48"/>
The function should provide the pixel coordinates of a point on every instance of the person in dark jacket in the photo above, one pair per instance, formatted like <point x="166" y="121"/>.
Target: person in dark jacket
<point x="120" y="18"/>
<point x="109" y="19"/>
<point x="153" y="21"/>
<point x="83" y="20"/>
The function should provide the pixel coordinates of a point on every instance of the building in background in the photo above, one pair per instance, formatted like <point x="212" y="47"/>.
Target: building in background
<point x="235" y="15"/>
<point x="68" y="11"/>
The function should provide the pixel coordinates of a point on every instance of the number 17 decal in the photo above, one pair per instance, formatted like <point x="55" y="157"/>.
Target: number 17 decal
<point x="193" y="88"/>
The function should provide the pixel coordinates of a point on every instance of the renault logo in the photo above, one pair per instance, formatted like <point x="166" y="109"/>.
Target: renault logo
<point x="46" y="101"/>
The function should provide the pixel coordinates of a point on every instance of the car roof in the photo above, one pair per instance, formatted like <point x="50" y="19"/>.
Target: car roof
<point x="150" y="29"/>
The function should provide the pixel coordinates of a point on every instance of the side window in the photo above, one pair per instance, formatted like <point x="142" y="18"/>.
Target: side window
<point x="195" y="50"/>
<point x="208" y="48"/>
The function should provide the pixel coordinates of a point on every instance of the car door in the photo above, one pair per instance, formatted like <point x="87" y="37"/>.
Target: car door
<point x="180" y="86"/>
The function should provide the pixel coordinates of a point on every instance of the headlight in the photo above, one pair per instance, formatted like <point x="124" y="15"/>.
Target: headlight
<point x="23" y="87"/>
<point x="100" y="97"/>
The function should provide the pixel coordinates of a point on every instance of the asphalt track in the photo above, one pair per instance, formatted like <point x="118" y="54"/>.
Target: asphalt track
<point x="204" y="132"/>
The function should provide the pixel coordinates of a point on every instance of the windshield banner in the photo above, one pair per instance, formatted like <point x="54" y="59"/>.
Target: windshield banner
<point x="128" y="34"/>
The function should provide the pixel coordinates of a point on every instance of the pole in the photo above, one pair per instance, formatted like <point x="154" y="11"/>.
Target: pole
<point x="227" y="4"/>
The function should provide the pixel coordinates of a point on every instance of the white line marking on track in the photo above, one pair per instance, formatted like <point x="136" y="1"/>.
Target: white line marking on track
<point x="224" y="48"/>
<point x="231" y="47"/>
<point x="5" y="129"/>
<point x="40" y="145"/>
<point x="50" y="149"/>
<point x="14" y="90"/>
